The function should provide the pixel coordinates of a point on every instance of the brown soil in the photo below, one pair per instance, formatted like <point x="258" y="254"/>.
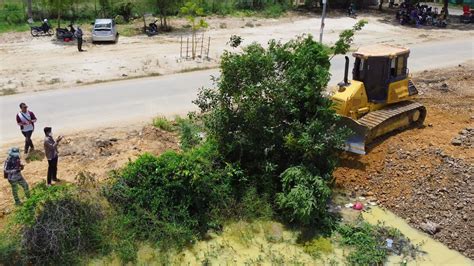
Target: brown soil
<point x="97" y="152"/>
<point x="422" y="174"/>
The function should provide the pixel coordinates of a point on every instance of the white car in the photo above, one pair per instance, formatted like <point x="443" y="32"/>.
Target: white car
<point x="104" y="30"/>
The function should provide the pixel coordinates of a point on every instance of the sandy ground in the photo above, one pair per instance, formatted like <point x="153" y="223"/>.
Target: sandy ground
<point x="33" y="64"/>
<point x="97" y="152"/>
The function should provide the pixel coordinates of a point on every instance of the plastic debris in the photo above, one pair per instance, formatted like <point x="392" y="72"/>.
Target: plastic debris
<point x="389" y="242"/>
<point x="358" y="206"/>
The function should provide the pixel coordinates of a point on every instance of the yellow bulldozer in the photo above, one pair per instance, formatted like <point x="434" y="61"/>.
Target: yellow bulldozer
<point x="378" y="98"/>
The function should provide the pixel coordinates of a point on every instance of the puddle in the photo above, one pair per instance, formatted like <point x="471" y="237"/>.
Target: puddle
<point x="436" y="252"/>
<point x="270" y="243"/>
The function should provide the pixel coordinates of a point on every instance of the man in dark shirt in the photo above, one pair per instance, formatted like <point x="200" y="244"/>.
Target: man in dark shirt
<point x="51" y="152"/>
<point x="78" y="34"/>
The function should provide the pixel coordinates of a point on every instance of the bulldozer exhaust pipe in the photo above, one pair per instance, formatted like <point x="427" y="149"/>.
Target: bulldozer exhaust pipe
<point x="346" y="70"/>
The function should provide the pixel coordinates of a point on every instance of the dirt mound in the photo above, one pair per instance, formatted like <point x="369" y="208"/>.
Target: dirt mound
<point x="420" y="174"/>
<point x="97" y="152"/>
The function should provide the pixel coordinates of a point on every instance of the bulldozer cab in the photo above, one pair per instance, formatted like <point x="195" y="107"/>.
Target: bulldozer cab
<point x="377" y="66"/>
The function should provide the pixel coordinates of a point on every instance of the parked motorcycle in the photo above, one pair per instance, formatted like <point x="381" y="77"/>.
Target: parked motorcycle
<point x="351" y="11"/>
<point x="43" y="30"/>
<point x="152" y="28"/>
<point x="65" y="33"/>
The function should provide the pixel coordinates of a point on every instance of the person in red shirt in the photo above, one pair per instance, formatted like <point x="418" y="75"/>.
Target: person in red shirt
<point x="26" y="120"/>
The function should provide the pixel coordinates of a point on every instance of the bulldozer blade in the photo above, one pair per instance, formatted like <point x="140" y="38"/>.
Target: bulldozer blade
<point x="356" y="141"/>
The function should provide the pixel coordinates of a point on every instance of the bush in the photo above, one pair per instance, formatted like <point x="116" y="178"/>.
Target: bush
<point x="124" y="10"/>
<point x="190" y="132"/>
<point x="368" y="242"/>
<point x="269" y="113"/>
<point x="175" y="197"/>
<point x="10" y="242"/>
<point x="304" y="195"/>
<point x="55" y="225"/>
<point x="163" y="123"/>
<point x="274" y="11"/>
<point x="63" y="230"/>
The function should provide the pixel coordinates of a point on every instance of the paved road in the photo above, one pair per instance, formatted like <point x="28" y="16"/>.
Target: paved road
<point x="116" y="103"/>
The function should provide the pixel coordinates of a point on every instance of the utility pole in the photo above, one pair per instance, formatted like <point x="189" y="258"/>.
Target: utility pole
<point x="322" y="22"/>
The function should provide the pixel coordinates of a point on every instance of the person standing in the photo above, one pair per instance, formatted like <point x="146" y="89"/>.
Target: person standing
<point x="12" y="169"/>
<point x="51" y="152"/>
<point x="26" y="120"/>
<point x="78" y="34"/>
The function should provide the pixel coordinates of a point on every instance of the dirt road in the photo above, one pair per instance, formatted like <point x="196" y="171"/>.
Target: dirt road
<point x="33" y="64"/>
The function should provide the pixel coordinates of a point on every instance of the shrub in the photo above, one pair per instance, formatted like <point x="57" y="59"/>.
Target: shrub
<point x="10" y="242"/>
<point x="124" y="9"/>
<point x="55" y="225"/>
<point x="274" y="11"/>
<point x="163" y="123"/>
<point x="269" y="113"/>
<point x="190" y="132"/>
<point x="304" y="195"/>
<point x="255" y="206"/>
<point x="175" y="197"/>
<point x="369" y="244"/>
<point x="63" y="230"/>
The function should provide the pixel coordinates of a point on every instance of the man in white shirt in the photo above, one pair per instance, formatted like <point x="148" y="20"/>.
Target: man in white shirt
<point x="26" y="120"/>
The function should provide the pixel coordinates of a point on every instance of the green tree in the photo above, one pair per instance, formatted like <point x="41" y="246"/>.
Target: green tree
<point x="165" y="9"/>
<point x="194" y="14"/>
<point x="268" y="114"/>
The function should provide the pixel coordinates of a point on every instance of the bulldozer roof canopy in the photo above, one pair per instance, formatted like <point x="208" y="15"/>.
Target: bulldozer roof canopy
<point x="383" y="50"/>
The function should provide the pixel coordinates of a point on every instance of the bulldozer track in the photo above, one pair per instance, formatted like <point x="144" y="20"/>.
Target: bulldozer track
<point x="373" y="119"/>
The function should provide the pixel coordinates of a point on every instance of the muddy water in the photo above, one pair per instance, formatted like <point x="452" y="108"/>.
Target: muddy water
<point x="269" y="243"/>
<point x="436" y="253"/>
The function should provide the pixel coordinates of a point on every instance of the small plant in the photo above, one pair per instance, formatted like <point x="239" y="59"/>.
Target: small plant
<point x="194" y="14"/>
<point x="35" y="155"/>
<point x="235" y="41"/>
<point x="318" y="246"/>
<point x="5" y="92"/>
<point x="304" y="195"/>
<point x="163" y="123"/>
<point x="369" y="243"/>
<point x="190" y="132"/>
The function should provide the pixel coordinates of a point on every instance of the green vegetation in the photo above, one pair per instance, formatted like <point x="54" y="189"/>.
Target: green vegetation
<point x="163" y="123"/>
<point x="13" y="15"/>
<point x="263" y="146"/>
<point x="369" y="243"/>
<point x="194" y="13"/>
<point x="55" y="225"/>
<point x="190" y="132"/>
<point x="175" y="197"/>
<point x="318" y="246"/>
<point x="35" y="155"/>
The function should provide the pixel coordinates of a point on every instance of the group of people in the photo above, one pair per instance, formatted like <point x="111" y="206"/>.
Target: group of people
<point x="13" y="166"/>
<point x="421" y="15"/>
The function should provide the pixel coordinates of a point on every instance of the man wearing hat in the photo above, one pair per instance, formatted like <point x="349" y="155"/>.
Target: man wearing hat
<point x="12" y="169"/>
<point x="51" y="152"/>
